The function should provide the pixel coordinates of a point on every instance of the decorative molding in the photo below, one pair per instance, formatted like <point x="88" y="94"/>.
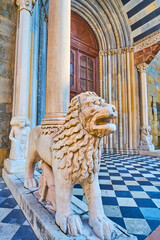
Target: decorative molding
<point x="24" y="4"/>
<point x="116" y="51"/>
<point x="142" y="67"/>
<point x="147" y="54"/>
<point x="148" y="41"/>
<point x="100" y="75"/>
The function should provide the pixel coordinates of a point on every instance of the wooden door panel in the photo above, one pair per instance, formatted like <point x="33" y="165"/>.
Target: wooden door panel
<point x="84" y="57"/>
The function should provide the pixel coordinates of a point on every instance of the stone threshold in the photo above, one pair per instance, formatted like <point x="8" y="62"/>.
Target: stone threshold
<point x="155" y="153"/>
<point x="42" y="220"/>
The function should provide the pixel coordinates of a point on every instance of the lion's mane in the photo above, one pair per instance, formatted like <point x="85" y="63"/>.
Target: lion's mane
<point x="77" y="151"/>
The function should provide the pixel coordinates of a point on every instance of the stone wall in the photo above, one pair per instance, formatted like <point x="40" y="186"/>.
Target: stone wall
<point x="153" y="83"/>
<point x="7" y="59"/>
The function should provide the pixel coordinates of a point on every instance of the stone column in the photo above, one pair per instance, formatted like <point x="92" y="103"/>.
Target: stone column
<point x="20" y="124"/>
<point x="146" y="138"/>
<point x="58" y="65"/>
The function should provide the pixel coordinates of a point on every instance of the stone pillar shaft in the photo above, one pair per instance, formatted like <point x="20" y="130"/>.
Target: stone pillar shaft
<point x="21" y="88"/>
<point x="58" y="62"/>
<point x="20" y="123"/>
<point x="142" y="68"/>
<point x="146" y="138"/>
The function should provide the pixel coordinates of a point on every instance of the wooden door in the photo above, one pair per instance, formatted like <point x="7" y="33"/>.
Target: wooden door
<point x="84" y="58"/>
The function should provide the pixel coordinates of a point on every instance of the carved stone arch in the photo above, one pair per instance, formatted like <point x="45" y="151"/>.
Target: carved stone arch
<point x="107" y="20"/>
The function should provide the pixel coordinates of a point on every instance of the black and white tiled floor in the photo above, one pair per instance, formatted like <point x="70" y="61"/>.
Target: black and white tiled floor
<point x="130" y="187"/>
<point x="13" y="224"/>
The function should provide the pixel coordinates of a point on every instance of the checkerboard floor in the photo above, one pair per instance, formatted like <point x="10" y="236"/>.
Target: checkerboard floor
<point x="130" y="188"/>
<point x="13" y="224"/>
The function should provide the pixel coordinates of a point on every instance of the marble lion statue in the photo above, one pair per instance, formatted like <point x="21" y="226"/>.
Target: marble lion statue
<point x="74" y="152"/>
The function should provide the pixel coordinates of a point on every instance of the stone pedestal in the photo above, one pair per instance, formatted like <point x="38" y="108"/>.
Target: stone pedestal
<point x="146" y="138"/>
<point x="58" y="65"/>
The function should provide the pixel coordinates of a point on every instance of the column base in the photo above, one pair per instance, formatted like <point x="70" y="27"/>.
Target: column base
<point x="147" y="147"/>
<point x="14" y="166"/>
<point x="52" y="122"/>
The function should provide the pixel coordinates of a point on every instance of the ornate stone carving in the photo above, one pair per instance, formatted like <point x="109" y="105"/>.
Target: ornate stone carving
<point x="116" y="51"/>
<point x="74" y="152"/>
<point x="146" y="139"/>
<point x="142" y="67"/>
<point x="24" y="4"/>
<point x="19" y="138"/>
<point x="148" y="41"/>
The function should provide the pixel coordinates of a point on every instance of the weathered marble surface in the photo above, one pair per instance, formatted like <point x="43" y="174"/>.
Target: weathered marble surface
<point x="73" y="151"/>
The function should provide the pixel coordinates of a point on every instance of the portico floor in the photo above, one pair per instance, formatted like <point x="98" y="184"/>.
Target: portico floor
<point x="130" y="186"/>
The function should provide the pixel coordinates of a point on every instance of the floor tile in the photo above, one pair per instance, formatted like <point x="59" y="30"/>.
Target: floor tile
<point x="153" y="224"/>
<point x="151" y="213"/>
<point x="4" y="212"/>
<point x="7" y="231"/>
<point x="149" y="188"/>
<point x="137" y="194"/>
<point x="8" y="203"/>
<point x="131" y="212"/>
<point x="137" y="226"/>
<point x="108" y="193"/>
<point x="24" y="233"/>
<point x="112" y="211"/>
<point x="157" y="202"/>
<point x="109" y="201"/>
<point x="126" y="202"/>
<point x="5" y="193"/>
<point x="145" y="203"/>
<point x="118" y="221"/>
<point x="15" y="217"/>
<point x="123" y="194"/>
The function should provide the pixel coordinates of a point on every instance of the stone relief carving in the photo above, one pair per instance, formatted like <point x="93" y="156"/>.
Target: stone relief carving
<point x="74" y="152"/>
<point x="19" y="138"/>
<point x="146" y="139"/>
<point x="148" y="41"/>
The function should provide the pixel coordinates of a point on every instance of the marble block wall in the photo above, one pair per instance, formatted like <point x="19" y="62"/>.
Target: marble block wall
<point x="7" y="59"/>
<point x="153" y="92"/>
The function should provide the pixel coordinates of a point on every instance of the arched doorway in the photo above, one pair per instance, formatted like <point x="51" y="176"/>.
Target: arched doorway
<point x="84" y="57"/>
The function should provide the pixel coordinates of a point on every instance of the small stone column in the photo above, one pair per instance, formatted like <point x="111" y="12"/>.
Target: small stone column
<point x="146" y="138"/>
<point x="58" y="65"/>
<point x="20" y="124"/>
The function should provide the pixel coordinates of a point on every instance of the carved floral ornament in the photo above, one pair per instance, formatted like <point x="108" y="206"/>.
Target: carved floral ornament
<point x="148" y="41"/>
<point x="24" y="4"/>
<point x="142" y="67"/>
<point x="116" y="51"/>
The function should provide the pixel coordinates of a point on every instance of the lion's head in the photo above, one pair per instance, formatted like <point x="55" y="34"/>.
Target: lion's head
<point x="96" y="115"/>
<point x="77" y="145"/>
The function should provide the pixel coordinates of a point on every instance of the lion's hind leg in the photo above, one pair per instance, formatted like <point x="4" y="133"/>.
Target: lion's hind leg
<point x="30" y="182"/>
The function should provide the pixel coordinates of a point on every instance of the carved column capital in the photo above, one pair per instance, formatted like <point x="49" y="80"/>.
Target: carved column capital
<point x="142" y="67"/>
<point x="24" y="4"/>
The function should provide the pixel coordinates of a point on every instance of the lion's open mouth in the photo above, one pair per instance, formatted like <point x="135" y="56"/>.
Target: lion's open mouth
<point x="103" y="121"/>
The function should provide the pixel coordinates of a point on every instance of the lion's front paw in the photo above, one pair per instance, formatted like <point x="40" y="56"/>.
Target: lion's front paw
<point x="102" y="227"/>
<point x="30" y="183"/>
<point x="69" y="224"/>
